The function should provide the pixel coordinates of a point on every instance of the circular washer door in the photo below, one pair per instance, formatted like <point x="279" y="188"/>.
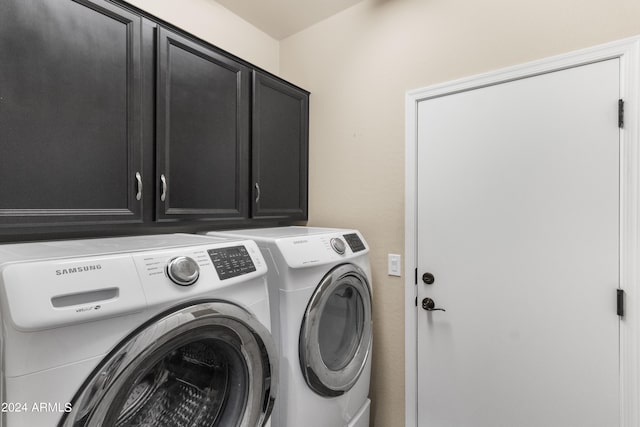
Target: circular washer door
<point x="335" y="338"/>
<point x="207" y="364"/>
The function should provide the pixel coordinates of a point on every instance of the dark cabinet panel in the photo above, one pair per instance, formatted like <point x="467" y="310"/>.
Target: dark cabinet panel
<point x="69" y="112"/>
<point x="202" y="131"/>
<point x="280" y="143"/>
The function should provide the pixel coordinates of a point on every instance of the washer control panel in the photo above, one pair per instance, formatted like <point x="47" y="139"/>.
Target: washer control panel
<point x="197" y="270"/>
<point x="231" y="261"/>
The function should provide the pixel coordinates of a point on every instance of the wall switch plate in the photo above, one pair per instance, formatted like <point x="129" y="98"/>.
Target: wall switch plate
<point x="395" y="266"/>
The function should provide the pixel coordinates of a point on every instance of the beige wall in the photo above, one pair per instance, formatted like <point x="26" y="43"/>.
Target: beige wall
<point x="217" y="25"/>
<point x="359" y="64"/>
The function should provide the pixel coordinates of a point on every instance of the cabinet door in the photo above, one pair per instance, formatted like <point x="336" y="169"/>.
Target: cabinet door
<point x="202" y="131"/>
<point x="69" y="113"/>
<point x="280" y="142"/>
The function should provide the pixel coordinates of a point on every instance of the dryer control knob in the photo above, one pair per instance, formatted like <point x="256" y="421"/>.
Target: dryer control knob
<point x="338" y="245"/>
<point x="183" y="271"/>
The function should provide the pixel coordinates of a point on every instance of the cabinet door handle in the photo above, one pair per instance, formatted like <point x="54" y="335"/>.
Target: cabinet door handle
<point x="139" y="181"/>
<point x="163" y="195"/>
<point x="257" y="192"/>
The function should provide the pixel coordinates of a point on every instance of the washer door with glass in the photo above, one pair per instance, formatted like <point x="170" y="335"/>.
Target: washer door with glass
<point x="207" y="364"/>
<point x="335" y="338"/>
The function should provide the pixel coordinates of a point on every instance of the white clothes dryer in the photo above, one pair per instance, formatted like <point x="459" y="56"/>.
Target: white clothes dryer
<point x="320" y="295"/>
<point x="169" y="330"/>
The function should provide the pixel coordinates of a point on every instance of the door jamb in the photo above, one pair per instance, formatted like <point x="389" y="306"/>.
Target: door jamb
<point x="628" y="51"/>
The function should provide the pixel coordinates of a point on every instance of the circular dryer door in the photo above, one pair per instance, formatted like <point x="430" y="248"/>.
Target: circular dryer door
<point x="335" y="338"/>
<point x="207" y="364"/>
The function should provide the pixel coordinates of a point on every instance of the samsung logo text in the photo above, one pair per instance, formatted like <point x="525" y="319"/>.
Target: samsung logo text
<point x="80" y="269"/>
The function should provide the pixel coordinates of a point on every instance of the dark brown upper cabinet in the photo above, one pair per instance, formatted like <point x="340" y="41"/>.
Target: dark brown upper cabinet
<point x="280" y="141"/>
<point x="114" y="122"/>
<point x="203" y="102"/>
<point x="70" y="138"/>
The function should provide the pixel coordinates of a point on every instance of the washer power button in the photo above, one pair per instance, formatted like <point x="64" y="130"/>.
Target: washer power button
<point x="338" y="245"/>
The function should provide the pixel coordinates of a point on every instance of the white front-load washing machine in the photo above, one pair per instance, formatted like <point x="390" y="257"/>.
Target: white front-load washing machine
<point x="168" y="330"/>
<point x="320" y="295"/>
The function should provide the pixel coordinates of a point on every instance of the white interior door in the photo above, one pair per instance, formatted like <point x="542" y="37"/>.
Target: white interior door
<point x="518" y="221"/>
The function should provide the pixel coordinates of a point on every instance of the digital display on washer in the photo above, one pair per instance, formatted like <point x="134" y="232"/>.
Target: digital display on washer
<point x="231" y="261"/>
<point x="354" y="242"/>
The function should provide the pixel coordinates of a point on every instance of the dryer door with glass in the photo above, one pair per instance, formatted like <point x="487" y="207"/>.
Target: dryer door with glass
<point x="335" y="338"/>
<point x="205" y="364"/>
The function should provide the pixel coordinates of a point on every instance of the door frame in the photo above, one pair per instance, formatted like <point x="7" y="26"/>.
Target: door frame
<point x="628" y="51"/>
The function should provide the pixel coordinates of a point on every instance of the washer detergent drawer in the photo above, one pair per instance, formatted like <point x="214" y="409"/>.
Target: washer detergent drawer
<point x="49" y="294"/>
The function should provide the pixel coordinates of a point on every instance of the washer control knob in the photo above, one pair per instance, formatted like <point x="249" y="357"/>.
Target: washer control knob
<point x="338" y="245"/>
<point x="183" y="271"/>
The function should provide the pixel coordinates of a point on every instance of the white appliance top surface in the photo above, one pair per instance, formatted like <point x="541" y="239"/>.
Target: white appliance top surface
<point x="279" y="232"/>
<point x="20" y="252"/>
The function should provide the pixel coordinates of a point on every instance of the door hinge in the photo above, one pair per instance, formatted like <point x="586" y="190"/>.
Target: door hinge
<point x="620" y="113"/>
<point x="416" y="302"/>
<point x="415" y="280"/>
<point x="620" y="302"/>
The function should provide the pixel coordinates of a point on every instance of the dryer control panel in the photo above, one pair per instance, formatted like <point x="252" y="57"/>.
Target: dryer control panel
<point x="354" y="242"/>
<point x="309" y="250"/>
